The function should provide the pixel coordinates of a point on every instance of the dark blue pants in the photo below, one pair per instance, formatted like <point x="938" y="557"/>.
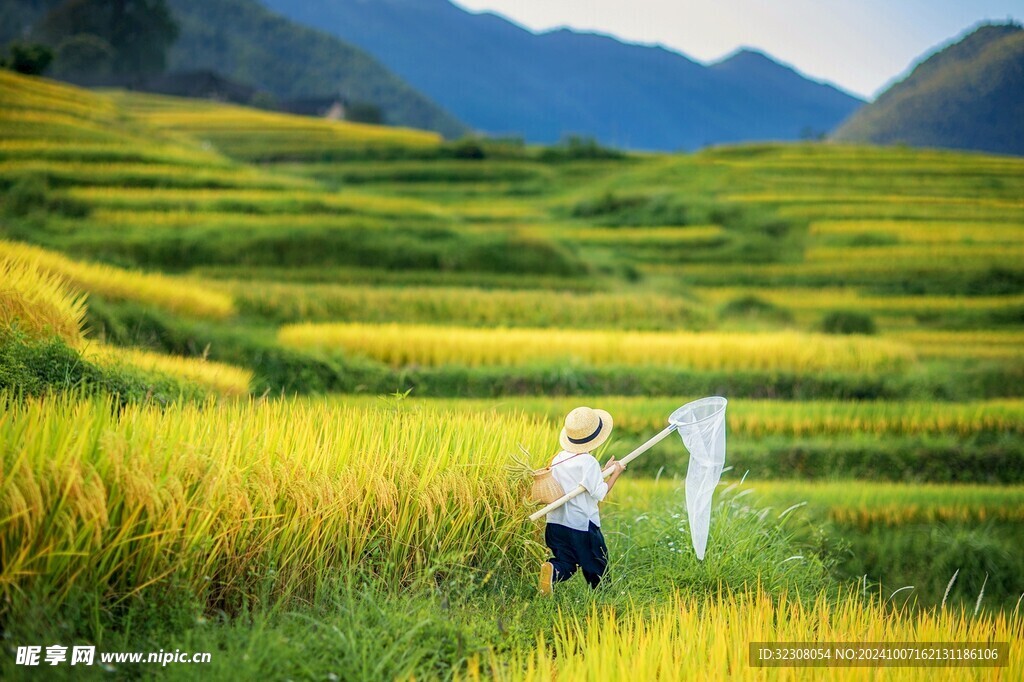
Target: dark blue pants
<point x="574" y="549"/>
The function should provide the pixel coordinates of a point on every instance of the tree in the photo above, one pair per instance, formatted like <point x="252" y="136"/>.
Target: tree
<point x="84" y="55"/>
<point x="31" y="59"/>
<point x="139" y="32"/>
<point x="364" y="112"/>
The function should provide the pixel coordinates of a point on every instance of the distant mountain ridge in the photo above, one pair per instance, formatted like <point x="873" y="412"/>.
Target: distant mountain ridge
<point x="969" y="95"/>
<point x="500" y="78"/>
<point x="247" y="42"/>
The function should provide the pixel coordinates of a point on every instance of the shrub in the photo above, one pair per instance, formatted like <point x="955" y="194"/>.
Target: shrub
<point x="468" y="148"/>
<point x="996" y="281"/>
<point x="27" y="194"/>
<point x="31" y="367"/>
<point x="848" y="322"/>
<point x="611" y="206"/>
<point x="29" y="59"/>
<point x="752" y="307"/>
<point x="575" y="147"/>
<point x="364" y="112"/>
<point x="30" y="194"/>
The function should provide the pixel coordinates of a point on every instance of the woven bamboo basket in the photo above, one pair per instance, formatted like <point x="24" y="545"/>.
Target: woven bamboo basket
<point x="545" y="489"/>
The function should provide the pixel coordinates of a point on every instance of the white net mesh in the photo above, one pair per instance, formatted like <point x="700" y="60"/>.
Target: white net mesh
<point x="701" y="425"/>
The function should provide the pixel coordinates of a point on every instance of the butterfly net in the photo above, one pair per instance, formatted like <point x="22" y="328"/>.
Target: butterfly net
<point x="701" y="424"/>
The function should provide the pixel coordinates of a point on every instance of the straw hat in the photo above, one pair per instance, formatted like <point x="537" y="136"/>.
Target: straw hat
<point x="585" y="429"/>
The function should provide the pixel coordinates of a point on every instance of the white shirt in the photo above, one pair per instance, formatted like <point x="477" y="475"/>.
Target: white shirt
<point x="580" y="512"/>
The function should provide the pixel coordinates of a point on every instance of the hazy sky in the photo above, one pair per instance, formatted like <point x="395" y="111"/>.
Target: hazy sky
<point x="859" y="45"/>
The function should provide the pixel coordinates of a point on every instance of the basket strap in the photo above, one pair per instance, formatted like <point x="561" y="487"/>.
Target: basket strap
<point x="554" y="464"/>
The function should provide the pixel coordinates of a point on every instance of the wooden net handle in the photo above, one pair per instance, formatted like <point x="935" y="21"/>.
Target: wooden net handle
<point x="579" y="490"/>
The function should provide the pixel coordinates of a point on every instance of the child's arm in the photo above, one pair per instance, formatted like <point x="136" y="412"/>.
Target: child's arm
<point x="617" y="469"/>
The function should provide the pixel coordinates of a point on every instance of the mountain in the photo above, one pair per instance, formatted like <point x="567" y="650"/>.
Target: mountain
<point x="501" y="78"/>
<point x="969" y="95"/>
<point x="779" y="93"/>
<point x="247" y="43"/>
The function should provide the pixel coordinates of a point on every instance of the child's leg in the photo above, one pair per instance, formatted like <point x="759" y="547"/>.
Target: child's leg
<point x="593" y="556"/>
<point x="559" y="540"/>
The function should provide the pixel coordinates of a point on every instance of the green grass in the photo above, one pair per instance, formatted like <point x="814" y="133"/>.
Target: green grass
<point x="31" y="367"/>
<point x="432" y="626"/>
<point x="914" y="535"/>
<point x="357" y="625"/>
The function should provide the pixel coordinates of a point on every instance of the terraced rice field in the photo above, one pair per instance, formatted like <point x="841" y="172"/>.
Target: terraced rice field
<point x="401" y="345"/>
<point x="267" y="383"/>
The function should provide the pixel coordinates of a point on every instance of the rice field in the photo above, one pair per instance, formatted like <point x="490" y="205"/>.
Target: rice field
<point x="40" y="95"/>
<point x="218" y="377"/>
<point x="170" y="293"/>
<point x="464" y="305"/>
<point x="385" y="537"/>
<point x="896" y="504"/>
<point x="147" y="174"/>
<point x="249" y="200"/>
<point x="402" y="345"/>
<point x="875" y="198"/>
<point x="1005" y="344"/>
<point x="39" y="303"/>
<point x="864" y="273"/>
<point x="915" y="254"/>
<point x="281" y="136"/>
<point x="920" y="232"/>
<point x="684" y="634"/>
<point x="214" y="495"/>
<point x="646" y="236"/>
<point x="756" y="419"/>
<point x="864" y="210"/>
<point x="122" y="151"/>
<point x="819" y="299"/>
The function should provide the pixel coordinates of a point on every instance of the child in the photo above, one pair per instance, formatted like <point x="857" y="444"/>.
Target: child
<point x="573" y="532"/>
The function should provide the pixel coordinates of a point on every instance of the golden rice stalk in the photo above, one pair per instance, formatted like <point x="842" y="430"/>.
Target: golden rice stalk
<point x="402" y="345"/>
<point x="174" y="294"/>
<point x="763" y="418"/>
<point x="469" y="306"/>
<point x="714" y="637"/>
<point x="38" y="302"/>
<point x="916" y="253"/>
<point x="819" y="299"/>
<point x="924" y="231"/>
<point x="989" y="343"/>
<point x="217" y="376"/>
<point x="40" y="96"/>
<point x="103" y="499"/>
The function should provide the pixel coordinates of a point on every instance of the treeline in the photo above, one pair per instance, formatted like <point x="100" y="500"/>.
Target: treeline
<point x="97" y="41"/>
<point x="242" y="45"/>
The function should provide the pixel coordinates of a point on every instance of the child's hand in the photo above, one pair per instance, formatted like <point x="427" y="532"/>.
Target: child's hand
<point x="618" y="466"/>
